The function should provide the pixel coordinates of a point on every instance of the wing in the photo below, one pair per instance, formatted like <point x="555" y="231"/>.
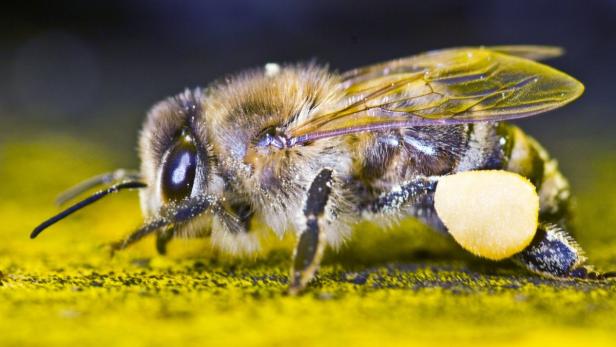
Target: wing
<point x="530" y="52"/>
<point x="451" y="86"/>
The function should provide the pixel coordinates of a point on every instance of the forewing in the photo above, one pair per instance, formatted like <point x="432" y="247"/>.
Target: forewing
<point x="529" y="51"/>
<point x="449" y="86"/>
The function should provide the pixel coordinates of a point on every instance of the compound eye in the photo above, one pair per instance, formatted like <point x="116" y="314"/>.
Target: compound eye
<point x="179" y="170"/>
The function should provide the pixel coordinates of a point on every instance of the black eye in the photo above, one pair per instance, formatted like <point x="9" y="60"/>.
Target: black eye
<point x="179" y="170"/>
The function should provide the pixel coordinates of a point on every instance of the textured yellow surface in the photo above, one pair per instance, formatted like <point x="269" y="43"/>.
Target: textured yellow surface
<point x="404" y="287"/>
<point x="492" y="214"/>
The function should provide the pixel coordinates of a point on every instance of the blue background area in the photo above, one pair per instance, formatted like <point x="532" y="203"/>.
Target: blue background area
<point x="94" y="68"/>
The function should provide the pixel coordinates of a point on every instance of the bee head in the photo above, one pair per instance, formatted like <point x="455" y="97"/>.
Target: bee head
<point x="177" y="180"/>
<point x="175" y="166"/>
<point x="176" y="159"/>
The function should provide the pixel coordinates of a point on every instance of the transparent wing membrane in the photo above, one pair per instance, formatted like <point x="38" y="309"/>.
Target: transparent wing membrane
<point x="449" y="86"/>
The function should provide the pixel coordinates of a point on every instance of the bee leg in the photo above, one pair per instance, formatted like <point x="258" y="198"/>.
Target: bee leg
<point x="163" y="237"/>
<point x="414" y="198"/>
<point x="137" y="235"/>
<point x="173" y="215"/>
<point x="554" y="253"/>
<point x="241" y="211"/>
<point x="244" y="213"/>
<point x="311" y="244"/>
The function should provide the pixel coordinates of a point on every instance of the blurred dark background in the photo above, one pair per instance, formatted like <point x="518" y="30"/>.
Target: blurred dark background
<point x="91" y="69"/>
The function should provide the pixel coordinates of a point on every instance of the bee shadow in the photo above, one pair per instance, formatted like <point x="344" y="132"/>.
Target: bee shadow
<point x="408" y="245"/>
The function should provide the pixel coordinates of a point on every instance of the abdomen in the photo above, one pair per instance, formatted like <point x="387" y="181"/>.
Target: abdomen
<point x="386" y="160"/>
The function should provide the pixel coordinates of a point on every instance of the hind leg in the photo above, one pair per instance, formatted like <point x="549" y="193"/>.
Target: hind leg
<point x="553" y="253"/>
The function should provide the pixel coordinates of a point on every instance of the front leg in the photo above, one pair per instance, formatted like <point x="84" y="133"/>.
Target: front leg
<point x="242" y="211"/>
<point x="163" y="237"/>
<point x="311" y="244"/>
<point x="174" y="216"/>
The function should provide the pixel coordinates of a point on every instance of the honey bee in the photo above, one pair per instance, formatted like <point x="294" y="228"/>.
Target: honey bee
<point x="302" y="148"/>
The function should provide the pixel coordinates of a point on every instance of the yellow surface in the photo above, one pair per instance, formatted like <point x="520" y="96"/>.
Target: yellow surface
<point x="493" y="214"/>
<point x="405" y="287"/>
